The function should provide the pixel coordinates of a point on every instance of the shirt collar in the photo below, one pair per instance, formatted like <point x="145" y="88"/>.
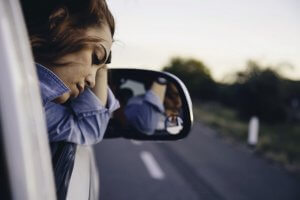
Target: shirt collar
<point x="51" y="86"/>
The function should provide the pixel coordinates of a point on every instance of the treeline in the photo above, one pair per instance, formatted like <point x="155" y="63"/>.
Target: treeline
<point x="258" y="91"/>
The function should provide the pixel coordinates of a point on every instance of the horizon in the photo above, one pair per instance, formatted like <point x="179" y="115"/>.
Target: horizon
<point x="224" y="36"/>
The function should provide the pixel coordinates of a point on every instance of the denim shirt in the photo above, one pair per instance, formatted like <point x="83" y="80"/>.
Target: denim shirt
<point x="82" y="120"/>
<point x="144" y="112"/>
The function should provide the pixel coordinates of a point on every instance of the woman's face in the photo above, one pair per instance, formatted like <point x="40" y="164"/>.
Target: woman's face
<point x="84" y="64"/>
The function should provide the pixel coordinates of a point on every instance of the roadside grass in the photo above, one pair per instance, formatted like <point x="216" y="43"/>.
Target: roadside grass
<point x="279" y="142"/>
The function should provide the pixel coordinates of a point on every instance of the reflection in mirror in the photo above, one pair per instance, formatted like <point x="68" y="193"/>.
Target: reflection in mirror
<point x="150" y="104"/>
<point x="150" y="107"/>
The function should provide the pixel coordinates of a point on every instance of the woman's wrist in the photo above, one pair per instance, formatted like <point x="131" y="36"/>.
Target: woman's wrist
<point x="100" y="88"/>
<point x="159" y="90"/>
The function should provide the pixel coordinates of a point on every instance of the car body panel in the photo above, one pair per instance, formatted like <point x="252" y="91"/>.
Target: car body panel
<point x="23" y="126"/>
<point x="84" y="182"/>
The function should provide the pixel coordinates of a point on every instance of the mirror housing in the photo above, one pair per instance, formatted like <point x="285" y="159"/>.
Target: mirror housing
<point x="153" y="105"/>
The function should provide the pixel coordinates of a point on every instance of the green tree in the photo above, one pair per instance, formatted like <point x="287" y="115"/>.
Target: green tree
<point x="260" y="93"/>
<point x="195" y="75"/>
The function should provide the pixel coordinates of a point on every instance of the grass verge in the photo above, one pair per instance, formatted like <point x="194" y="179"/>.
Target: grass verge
<point x="279" y="142"/>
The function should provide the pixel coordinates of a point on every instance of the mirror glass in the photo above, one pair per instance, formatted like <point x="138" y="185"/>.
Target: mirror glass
<point x="152" y="104"/>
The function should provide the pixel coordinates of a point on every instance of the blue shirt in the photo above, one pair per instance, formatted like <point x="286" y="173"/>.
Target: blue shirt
<point x="144" y="112"/>
<point x="82" y="120"/>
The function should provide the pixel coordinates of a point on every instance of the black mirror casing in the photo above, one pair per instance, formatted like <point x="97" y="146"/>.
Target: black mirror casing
<point x="132" y="81"/>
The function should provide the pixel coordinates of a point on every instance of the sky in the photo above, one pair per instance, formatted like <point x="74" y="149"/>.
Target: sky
<point x="224" y="34"/>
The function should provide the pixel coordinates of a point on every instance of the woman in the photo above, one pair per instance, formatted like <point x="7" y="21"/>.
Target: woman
<point x="150" y="112"/>
<point x="71" y="42"/>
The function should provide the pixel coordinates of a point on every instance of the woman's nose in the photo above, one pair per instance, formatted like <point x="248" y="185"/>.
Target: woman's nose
<point x="90" y="81"/>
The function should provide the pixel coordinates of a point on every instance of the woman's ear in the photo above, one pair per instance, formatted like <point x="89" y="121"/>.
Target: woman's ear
<point x="57" y="16"/>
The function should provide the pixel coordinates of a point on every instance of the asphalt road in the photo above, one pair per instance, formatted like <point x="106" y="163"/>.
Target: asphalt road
<point x="202" y="166"/>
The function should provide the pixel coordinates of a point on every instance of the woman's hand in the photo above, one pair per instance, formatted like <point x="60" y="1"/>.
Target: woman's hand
<point x="100" y="88"/>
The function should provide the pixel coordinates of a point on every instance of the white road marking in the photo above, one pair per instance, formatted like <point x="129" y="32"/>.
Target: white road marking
<point x="152" y="165"/>
<point x="136" y="142"/>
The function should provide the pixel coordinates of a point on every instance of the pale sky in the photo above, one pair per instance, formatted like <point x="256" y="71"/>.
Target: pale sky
<point x="224" y="34"/>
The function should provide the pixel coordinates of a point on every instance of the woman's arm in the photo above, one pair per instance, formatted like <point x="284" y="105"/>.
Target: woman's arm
<point x="159" y="90"/>
<point x="82" y="121"/>
<point x="101" y="86"/>
<point x="144" y="112"/>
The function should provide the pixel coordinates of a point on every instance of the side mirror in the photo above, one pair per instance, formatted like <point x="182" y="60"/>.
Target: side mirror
<point x="153" y="105"/>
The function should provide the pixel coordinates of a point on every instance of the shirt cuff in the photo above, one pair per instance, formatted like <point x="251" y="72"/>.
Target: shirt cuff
<point x="88" y="102"/>
<point x="154" y="100"/>
<point x="112" y="103"/>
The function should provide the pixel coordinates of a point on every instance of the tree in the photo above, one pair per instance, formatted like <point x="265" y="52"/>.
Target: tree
<point x="260" y="93"/>
<point x="195" y="75"/>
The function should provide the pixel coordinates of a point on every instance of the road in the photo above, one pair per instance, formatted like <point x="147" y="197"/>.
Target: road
<point x="202" y="166"/>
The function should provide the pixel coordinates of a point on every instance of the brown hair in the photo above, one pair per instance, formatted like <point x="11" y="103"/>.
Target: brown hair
<point x="57" y="27"/>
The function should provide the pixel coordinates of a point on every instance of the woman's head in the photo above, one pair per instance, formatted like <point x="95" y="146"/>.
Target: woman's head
<point x="172" y="101"/>
<point x="59" y="27"/>
<point x="78" y="69"/>
<point x="73" y="38"/>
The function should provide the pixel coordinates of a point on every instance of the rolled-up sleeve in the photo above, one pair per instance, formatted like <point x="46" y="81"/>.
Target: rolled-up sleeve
<point x="82" y="121"/>
<point x="144" y="112"/>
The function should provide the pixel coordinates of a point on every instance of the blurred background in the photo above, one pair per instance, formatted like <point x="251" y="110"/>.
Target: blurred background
<point x="239" y="60"/>
<point x="223" y="35"/>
